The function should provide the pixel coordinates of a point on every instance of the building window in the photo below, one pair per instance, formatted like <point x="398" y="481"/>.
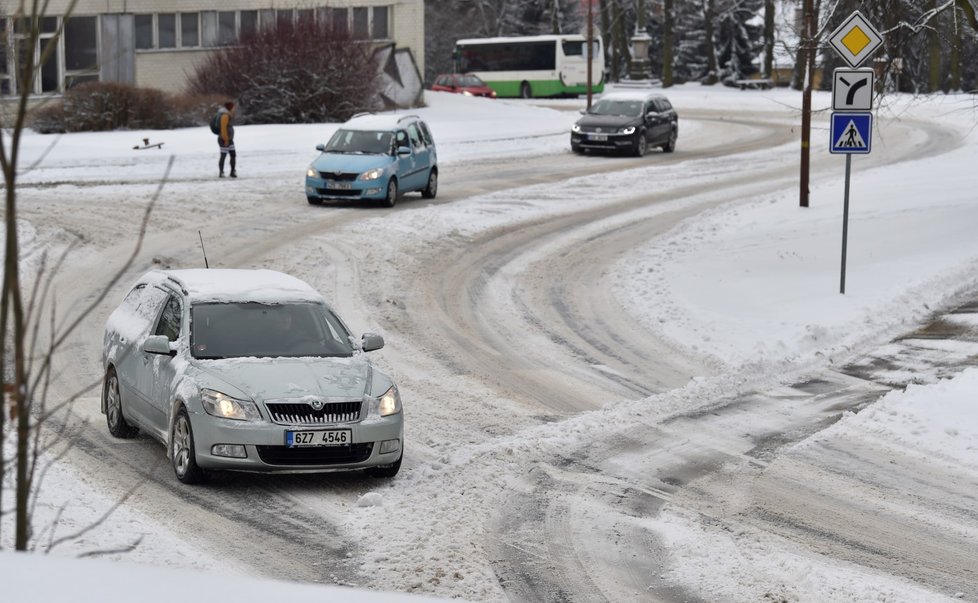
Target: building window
<point x="81" y="50"/>
<point x="380" y="25"/>
<point x="144" y="32"/>
<point x="304" y="14"/>
<point x="249" y="22"/>
<point x="5" y="87"/>
<point x="166" y="32"/>
<point x="361" y="22"/>
<point x="189" y="30"/>
<point x="283" y="17"/>
<point x="226" y="27"/>
<point x="339" y="19"/>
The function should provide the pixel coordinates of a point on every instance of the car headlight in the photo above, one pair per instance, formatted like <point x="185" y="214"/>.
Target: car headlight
<point x="628" y="130"/>
<point x="576" y="128"/>
<point x="222" y="405"/>
<point x="467" y="93"/>
<point x="390" y="402"/>
<point x="372" y="174"/>
<point x="312" y="172"/>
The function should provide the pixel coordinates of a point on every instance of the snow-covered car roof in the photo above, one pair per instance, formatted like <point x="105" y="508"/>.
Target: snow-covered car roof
<point x="379" y="122"/>
<point x="233" y="285"/>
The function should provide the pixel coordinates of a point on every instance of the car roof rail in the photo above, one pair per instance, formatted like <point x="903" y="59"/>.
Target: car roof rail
<point x="403" y="117"/>
<point x="362" y="113"/>
<point x="178" y="283"/>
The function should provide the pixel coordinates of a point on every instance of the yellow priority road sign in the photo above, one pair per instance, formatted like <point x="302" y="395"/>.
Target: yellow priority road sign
<point x="856" y="39"/>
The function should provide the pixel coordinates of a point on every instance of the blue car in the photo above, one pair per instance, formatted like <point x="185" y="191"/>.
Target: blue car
<point x="375" y="158"/>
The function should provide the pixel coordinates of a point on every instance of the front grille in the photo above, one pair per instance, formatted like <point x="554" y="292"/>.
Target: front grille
<point x="301" y="413"/>
<point x="340" y="176"/>
<point x="339" y="192"/>
<point x="318" y="455"/>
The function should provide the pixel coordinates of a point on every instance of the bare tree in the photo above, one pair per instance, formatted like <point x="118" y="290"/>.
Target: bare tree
<point x="29" y="340"/>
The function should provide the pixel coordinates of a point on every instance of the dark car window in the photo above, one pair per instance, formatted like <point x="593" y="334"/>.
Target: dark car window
<point x="401" y="138"/>
<point x="170" y="319"/>
<point x="414" y="135"/>
<point x="359" y="141"/>
<point x="664" y="105"/>
<point x="238" y="330"/>
<point x="470" y="80"/>
<point x="425" y="133"/>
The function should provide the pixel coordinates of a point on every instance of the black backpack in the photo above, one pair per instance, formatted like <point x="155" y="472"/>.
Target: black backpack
<point x="216" y="123"/>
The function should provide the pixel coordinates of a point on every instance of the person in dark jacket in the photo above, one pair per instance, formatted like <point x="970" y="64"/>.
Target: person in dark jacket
<point x="225" y="139"/>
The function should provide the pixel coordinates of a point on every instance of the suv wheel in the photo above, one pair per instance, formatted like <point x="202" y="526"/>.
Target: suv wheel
<point x="641" y="145"/>
<point x="391" y="197"/>
<point x="431" y="190"/>
<point x="670" y="145"/>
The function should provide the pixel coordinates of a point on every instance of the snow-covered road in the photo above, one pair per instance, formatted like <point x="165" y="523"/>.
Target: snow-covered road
<point x="563" y="443"/>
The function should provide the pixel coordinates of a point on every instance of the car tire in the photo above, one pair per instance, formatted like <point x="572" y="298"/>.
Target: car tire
<point x="670" y="145"/>
<point x="525" y="90"/>
<point x="391" y="199"/>
<point x="641" y="145"/>
<point x="115" y="418"/>
<point x="183" y="453"/>
<point x="387" y="471"/>
<point x="314" y="200"/>
<point x="431" y="189"/>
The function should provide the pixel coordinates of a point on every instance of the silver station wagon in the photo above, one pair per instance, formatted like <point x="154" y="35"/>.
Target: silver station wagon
<point x="247" y="370"/>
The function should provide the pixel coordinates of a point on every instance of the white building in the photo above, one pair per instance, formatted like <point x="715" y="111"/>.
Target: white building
<point x="157" y="43"/>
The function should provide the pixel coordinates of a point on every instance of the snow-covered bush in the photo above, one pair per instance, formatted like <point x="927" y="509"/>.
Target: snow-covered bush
<point x="98" y="106"/>
<point x="302" y="72"/>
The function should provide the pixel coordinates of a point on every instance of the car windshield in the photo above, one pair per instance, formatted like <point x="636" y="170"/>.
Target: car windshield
<point x="359" y="141"/>
<point x="470" y="80"/>
<point x="630" y="108"/>
<point x="236" y="330"/>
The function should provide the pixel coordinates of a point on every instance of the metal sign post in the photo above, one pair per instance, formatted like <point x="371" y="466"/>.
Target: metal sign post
<point x="852" y="103"/>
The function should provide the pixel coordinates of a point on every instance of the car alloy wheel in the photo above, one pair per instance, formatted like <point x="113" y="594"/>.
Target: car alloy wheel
<point x="641" y="145"/>
<point x="182" y="452"/>
<point x="431" y="190"/>
<point x="391" y="197"/>
<point x="114" y="418"/>
<point x="670" y="146"/>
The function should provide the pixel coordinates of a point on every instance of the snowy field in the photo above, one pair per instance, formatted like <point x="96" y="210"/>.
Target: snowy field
<point x="749" y="288"/>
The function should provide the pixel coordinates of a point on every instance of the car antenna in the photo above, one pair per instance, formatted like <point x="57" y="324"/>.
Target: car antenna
<point x="204" y="251"/>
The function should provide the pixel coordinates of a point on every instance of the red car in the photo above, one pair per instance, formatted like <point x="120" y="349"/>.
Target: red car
<point x="463" y="83"/>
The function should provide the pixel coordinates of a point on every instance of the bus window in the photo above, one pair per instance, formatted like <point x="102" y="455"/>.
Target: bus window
<point x="575" y="48"/>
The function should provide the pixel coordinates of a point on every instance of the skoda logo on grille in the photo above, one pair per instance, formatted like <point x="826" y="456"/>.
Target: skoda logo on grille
<point x="317" y="404"/>
<point x="597" y="129"/>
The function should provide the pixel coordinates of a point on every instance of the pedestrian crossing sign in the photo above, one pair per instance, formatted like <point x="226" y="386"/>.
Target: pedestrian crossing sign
<point x="852" y="133"/>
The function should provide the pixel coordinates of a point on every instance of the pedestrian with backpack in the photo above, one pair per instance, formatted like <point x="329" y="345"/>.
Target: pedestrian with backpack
<point x="222" y="124"/>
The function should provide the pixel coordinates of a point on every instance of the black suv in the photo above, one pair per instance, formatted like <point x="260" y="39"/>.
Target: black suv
<point x="627" y="121"/>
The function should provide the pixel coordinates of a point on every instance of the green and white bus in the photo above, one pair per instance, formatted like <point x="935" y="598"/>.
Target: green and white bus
<point x="532" y="66"/>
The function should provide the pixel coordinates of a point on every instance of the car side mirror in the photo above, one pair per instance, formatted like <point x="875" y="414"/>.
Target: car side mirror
<point x="158" y="344"/>
<point x="403" y="150"/>
<point x="583" y="111"/>
<point x="371" y="341"/>
<point x="321" y="148"/>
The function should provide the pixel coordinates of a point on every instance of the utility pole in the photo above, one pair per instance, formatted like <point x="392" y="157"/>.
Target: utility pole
<point x="808" y="43"/>
<point x="590" y="50"/>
